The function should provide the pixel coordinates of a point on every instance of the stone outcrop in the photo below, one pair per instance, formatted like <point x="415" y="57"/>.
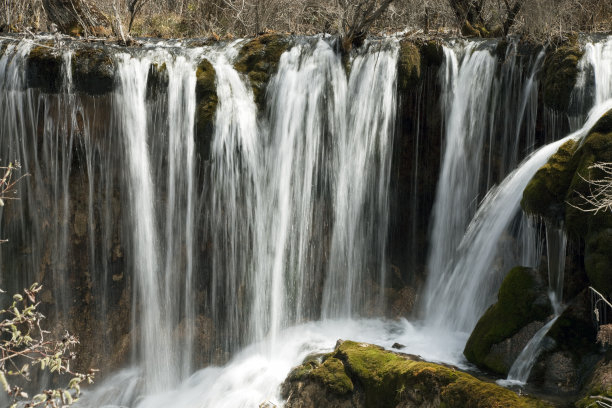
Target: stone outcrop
<point x="363" y="375"/>
<point x="503" y="331"/>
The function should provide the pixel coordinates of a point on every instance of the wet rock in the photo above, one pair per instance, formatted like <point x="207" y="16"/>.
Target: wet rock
<point x="522" y="300"/>
<point x="258" y="59"/>
<point x="206" y="99"/>
<point x="557" y="193"/>
<point x="398" y="346"/>
<point x="93" y="70"/>
<point x="365" y="375"/>
<point x="44" y="69"/>
<point x="559" y="75"/>
<point x="599" y="384"/>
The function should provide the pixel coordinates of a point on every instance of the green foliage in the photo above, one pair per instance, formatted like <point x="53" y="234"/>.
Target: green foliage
<point x="514" y="309"/>
<point x="24" y="347"/>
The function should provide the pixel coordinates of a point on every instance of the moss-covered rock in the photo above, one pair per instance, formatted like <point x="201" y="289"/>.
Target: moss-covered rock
<point x="258" y="59"/>
<point x="521" y="300"/>
<point x="557" y="193"/>
<point x="44" y="69"/>
<point x="93" y="70"/>
<point x="409" y="65"/>
<point x="545" y="193"/>
<point x="379" y="378"/>
<point x="559" y="75"/>
<point x="206" y="97"/>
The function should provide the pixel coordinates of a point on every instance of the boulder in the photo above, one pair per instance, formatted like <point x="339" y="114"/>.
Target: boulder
<point x="365" y="375"/>
<point x="501" y="333"/>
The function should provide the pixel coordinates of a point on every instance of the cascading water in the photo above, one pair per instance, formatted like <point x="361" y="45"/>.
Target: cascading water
<point x="358" y="249"/>
<point x="296" y="193"/>
<point x="460" y="284"/>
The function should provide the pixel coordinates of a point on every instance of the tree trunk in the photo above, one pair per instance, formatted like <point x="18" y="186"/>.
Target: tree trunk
<point x="76" y="17"/>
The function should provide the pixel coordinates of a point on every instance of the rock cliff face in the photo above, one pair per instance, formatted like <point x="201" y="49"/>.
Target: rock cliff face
<point x="364" y="375"/>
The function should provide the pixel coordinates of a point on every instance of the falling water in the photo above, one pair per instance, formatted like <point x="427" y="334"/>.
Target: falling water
<point x="460" y="284"/>
<point x="361" y="190"/>
<point x="468" y="88"/>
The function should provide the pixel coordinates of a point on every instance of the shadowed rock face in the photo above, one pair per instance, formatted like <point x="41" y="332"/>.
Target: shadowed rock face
<point x="364" y="375"/>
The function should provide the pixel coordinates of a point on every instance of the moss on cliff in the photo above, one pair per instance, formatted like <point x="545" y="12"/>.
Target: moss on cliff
<point x="559" y="75"/>
<point x="556" y="192"/>
<point x="515" y="308"/>
<point x="206" y="97"/>
<point x="545" y="193"/>
<point x="387" y="379"/>
<point x="258" y="59"/>
<point x="409" y="65"/>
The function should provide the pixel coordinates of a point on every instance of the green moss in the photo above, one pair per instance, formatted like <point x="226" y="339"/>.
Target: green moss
<point x="206" y="97"/>
<point x="93" y="70"/>
<point x="545" y="193"/>
<point x="559" y="75"/>
<point x="388" y="379"/>
<point x="514" y="309"/>
<point x="409" y="65"/>
<point x="557" y="192"/>
<point x="258" y="59"/>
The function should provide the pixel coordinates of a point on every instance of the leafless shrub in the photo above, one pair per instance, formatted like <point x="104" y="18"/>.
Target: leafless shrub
<point x="599" y="197"/>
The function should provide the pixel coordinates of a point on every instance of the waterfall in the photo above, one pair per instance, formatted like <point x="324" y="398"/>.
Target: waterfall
<point x="300" y="183"/>
<point x="361" y="202"/>
<point x="163" y="259"/>
<point x="460" y="284"/>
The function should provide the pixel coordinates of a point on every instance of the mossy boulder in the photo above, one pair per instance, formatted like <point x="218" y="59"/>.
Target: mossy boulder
<point x="521" y="300"/>
<point x="93" y="70"/>
<point x="545" y="193"/>
<point x="206" y="97"/>
<point x="365" y="375"/>
<point x="44" y="69"/>
<point x="557" y="192"/>
<point x="409" y="65"/>
<point x="559" y="75"/>
<point x="258" y="59"/>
